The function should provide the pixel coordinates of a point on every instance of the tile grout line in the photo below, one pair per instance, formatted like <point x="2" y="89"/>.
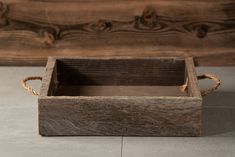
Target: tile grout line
<point x="121" y="146"/>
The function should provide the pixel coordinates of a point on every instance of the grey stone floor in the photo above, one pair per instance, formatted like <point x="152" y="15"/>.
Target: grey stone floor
<point x="19" y="126"/>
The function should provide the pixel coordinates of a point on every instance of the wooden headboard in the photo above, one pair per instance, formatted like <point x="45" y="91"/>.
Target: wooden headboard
<point x="32" y="30"/>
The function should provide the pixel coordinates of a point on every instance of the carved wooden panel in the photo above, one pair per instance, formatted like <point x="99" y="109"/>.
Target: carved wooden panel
<point x="30" y="31"/>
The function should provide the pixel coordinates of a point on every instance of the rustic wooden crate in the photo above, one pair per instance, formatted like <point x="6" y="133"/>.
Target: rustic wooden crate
<point x="120" y="96"/>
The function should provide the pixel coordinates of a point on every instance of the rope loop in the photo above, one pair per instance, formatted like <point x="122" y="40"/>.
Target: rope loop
<point x="27" y="87"/>
<point x="211" y="77"/>
<point x="204" y="76"/>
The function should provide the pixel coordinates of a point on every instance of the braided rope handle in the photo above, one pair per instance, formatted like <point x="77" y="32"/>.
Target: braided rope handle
<point x="183" y="87"/>
<point x="212" y="77"/>
<point x="205" y="76"/>
<point x="28" y="87"/>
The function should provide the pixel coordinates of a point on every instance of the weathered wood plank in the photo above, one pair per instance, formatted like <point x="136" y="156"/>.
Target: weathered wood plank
<point x="135" y="116"/>
<point x="49" y="81"/>
<point x="120" y="71"/>
<point x="206" y="57"/>
<point x="225" y="59"/>
<point x="104" y="90"/>
<point x="191" y="75"/>
<point x="33" y="30"/>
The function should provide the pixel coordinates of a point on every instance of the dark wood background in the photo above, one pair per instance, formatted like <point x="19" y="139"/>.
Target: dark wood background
<point x="32" y="30"/>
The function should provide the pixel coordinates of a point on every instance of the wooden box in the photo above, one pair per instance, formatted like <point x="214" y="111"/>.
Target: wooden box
<point x="120" y="96"/>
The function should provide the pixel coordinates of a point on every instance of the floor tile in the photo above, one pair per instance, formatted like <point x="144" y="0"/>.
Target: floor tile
<point x="178" y="147"/>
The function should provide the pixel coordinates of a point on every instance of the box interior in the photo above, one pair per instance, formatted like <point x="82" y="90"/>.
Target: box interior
<point x="118" y="77"/>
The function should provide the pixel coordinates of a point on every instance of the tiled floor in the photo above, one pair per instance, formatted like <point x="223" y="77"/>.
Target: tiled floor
<point x="19" y="131"/>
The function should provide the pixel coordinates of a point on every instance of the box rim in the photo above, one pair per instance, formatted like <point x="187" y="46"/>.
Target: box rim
<point x="51" y="64"/>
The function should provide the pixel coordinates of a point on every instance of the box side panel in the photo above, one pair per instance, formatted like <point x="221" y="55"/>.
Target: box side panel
<point x="145" y="116"/>
<point x="121" y="71"/>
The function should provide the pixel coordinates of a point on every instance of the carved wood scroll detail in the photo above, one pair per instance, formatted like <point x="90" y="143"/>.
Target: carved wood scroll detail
<point x="148" y="21"/>
<point x="149" y="17"/>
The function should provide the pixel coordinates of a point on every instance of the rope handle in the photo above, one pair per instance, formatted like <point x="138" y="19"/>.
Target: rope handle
<point x="183" y="87"/>
<point x="27" y="87"/>
<point x="205" y="76"/>
<point x="212" y="77"/>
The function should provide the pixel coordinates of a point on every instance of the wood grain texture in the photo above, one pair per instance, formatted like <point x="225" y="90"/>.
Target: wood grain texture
<point x="128" y="115"/>
<point x="104" y="90"/>
<point x="30" y="31"/>
<point x="191" y="76"/>
<point x="49" y="81"/>
<point x="120" y="71"/>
